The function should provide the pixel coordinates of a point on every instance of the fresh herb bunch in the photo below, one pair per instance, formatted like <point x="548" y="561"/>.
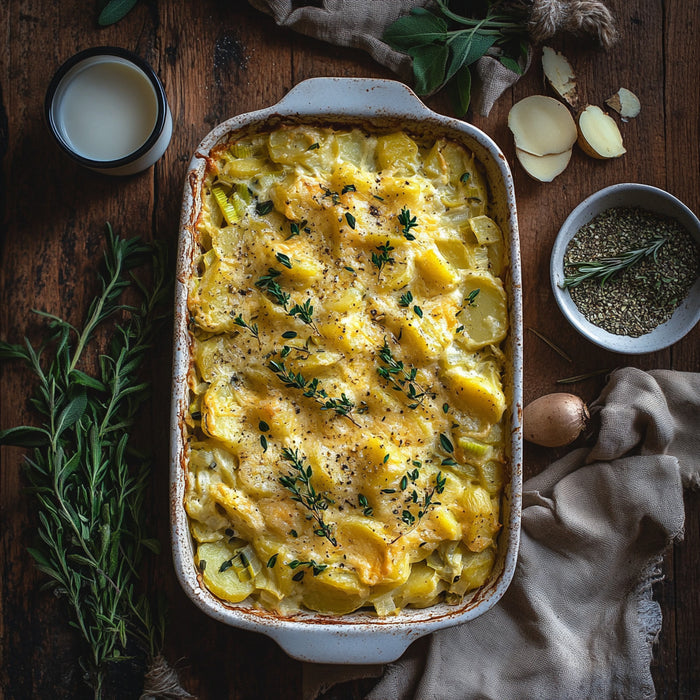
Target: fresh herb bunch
<point x="88" y="480"/>
<point x="443" y="46"/>
<point x="602" y="269"/>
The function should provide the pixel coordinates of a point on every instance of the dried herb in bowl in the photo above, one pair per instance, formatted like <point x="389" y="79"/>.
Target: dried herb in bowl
<point x="628" y="269"/>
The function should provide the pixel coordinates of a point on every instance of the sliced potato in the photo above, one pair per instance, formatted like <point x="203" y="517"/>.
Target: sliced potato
<point x="213" y="559"/>
<point x="543" y="168"/>
<point x="599" y="136"/>
<point x="542" y="125"/>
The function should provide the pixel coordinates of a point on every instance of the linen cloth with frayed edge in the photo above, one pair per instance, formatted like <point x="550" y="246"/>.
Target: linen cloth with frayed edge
<point x="578" y="620"/>
<point x="361" y="24"/>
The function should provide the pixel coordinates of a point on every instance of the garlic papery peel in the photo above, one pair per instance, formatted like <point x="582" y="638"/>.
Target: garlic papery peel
<point x="625" y="103"/>
<point x="542" y="126"/>
<point x="560" y="76"/>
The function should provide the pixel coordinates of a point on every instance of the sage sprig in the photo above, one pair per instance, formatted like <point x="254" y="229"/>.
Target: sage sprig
<point x="443" y="46"/>
<point x="88" y="479"/>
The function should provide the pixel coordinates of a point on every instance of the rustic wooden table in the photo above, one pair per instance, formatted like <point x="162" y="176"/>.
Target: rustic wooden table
<point x="217" y="59"/>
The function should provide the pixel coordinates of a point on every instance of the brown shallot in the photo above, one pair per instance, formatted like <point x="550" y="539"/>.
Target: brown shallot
<point x="555" y="420"/>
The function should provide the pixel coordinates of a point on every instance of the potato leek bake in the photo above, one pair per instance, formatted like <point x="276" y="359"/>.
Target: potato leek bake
<point x="346" y="432"/>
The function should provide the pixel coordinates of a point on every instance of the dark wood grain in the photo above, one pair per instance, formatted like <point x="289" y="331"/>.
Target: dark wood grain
<point x="217" y="59"/>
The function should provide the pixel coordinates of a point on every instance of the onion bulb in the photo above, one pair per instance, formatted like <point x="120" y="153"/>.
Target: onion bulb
<point x="555" y="420"/>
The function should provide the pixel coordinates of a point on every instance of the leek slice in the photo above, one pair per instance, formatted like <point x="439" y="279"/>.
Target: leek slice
<point x="232" y="208"/>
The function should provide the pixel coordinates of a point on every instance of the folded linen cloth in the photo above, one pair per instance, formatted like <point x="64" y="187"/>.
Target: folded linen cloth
<point x="578" y="621"/>
<point x="362" y="23"/>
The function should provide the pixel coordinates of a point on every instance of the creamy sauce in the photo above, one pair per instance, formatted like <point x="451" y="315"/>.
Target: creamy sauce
<point x="107" y="110"/>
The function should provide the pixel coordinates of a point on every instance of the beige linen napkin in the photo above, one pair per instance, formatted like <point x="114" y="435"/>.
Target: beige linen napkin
<point x="578" y="620"/>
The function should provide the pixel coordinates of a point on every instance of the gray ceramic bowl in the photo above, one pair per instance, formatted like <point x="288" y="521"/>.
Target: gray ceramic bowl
<point x="651" y="199"/>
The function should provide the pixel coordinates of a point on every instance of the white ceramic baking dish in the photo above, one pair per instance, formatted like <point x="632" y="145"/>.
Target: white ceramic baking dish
<point x="359" y="637"/>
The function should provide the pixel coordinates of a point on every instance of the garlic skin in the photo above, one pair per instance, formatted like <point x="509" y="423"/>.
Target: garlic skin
<point x="555" y="420"/>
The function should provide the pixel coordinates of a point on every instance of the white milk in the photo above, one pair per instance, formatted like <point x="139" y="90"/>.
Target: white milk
<point x="107" y="110"/>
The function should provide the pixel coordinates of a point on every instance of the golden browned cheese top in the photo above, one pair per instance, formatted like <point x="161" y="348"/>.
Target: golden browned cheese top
<point x="346" y="427"/>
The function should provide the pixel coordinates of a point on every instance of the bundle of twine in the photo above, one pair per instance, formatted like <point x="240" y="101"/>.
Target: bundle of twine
<point x="592" y="18"/>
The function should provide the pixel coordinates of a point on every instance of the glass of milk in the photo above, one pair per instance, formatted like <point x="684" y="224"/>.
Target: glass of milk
<point x="107" y="110"/>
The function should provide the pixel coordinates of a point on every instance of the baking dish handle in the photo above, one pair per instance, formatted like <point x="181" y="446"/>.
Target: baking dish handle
<point x="352" y="96"/>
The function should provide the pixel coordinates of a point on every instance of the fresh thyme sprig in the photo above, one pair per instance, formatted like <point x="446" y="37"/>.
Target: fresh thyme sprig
<point x="406" y="299"/>
<point x="384" y="257"/>
<point x="312" y="390"/>
<point x="603" y="269"/>
<point x="407" y="222"/>
<point x="251" y="328"/>
<point x="315" y="567"/>
<point x="88" y="479"/>
<point x="425" y="503"/>
<point x="400" y="378"/>
<point x="304" y="313"/>
<point x="268" y="283"/>
<point x="298" y="482"/>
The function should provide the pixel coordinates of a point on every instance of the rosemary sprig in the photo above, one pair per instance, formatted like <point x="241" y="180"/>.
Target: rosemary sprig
<point x="298" y="482"/>
<point x="602" y="269"/>
<point x="583" y="377"/>
<point x="400" y="378"/>
<point x="312" y="390"/>
<point x="88" y="480"/>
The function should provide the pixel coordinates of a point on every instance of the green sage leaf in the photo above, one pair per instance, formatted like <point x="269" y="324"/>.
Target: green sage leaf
<point x="461" y="90"/>
<point x="429" y="67"/>
<point x="467" y="48"/>
<point x="417" y="29"/>
<point x="115" y="10"/>
<point x="511" y="64"/>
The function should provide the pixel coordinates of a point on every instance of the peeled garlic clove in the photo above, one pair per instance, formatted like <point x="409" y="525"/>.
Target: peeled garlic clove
<point x="542" y="125"/>
<point x="543" y="168"/>
<point x="560" y="75"/>
<point x="598" y="134"/>
<point x="625" y="103"/>
<point x="555" y="420"/>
